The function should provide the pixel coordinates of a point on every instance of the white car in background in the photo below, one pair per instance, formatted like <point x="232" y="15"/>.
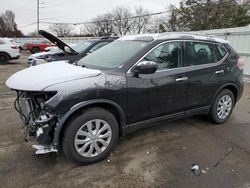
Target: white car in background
<point x="8" y="50"/>
<point x="50" y="48"/>
<point x="42" y="57"/>
<point x="39" y="58"/>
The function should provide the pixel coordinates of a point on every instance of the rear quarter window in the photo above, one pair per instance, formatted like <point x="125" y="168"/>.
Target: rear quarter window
<point x="220" y="51"/>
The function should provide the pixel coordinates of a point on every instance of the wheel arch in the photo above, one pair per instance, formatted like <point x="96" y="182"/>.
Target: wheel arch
<point x="1" y="52"/>
<point x="231" y="86"/>
<point x="111" y="106"/>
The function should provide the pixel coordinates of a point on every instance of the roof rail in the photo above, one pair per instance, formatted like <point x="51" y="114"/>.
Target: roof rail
<point x="109" y="37"/>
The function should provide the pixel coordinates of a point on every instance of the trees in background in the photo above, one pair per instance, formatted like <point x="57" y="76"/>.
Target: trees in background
<point x="101" y="26"/>
<point x="141" y="20"/>
<point x="61" y="29"/>
<point x="120" y="21"/>
<point x="193" y="15"/>
<point x="8" y="26"/>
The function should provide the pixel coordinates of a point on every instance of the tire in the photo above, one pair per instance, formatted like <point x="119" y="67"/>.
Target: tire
<point x="4" y="58"/>
<point x="35" y="50"/>
<point x="89" y="119"/>
<point x="217" y="110"/>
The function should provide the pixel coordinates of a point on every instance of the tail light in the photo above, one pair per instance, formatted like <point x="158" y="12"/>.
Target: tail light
<point x="240" y="63"/>
<point x="14" y="47"/>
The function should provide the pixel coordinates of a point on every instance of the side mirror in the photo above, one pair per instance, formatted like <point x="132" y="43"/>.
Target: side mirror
<point x="145" y="67"/>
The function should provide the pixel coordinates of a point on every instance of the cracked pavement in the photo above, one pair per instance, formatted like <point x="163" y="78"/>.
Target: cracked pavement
<point x="159" y="156"/>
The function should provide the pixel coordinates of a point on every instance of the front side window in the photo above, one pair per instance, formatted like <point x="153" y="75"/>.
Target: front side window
<point x="198" y="53"/>
<point x="167" y="55"/>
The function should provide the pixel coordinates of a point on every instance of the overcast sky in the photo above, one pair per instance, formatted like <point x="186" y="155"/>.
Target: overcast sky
<point x="71" y="11"/>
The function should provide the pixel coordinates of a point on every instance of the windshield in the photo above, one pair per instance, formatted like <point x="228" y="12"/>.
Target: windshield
<point x="114" y="54"/>
<point x="81" y="46"/>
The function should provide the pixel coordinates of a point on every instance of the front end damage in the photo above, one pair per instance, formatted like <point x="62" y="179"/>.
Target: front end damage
<point x="39" y="119"/>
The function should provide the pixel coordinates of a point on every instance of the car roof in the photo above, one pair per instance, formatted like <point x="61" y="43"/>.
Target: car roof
<point x="7" y="40"/>
<point x="173" y="35"/>
<point x="102" y="39"/>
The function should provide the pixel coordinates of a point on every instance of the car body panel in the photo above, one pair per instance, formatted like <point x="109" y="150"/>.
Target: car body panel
<point x="10" y="48"/>
<point x="105" y="85"/>
<point x="40" y="58"/>
<point x="39" y="44"/>
<point x="156" y="95"/>
<point x="33" y="78"/>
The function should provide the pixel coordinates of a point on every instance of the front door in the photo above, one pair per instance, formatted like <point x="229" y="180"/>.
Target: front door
<point x="163" y="92"/>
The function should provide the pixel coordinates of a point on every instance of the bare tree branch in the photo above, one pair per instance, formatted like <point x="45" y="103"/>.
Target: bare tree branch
<point x="8" y="27"/>
<point x="61" y="30"/>
<point x="141" y="20"/>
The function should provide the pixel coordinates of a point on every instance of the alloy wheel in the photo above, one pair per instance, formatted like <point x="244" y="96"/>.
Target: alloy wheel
<point x="93" y="138"/>
<point x="224" y="107"/>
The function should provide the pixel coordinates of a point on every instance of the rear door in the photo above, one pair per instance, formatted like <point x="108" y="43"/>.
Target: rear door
<point x="205" y="71"/>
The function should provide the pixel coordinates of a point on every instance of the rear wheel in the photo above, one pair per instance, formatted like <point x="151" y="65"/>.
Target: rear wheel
<point x="222" y="106"/>
<point x="35" y="50"/>
<point x="91" y="136"/>
<point x="4" y="58"/>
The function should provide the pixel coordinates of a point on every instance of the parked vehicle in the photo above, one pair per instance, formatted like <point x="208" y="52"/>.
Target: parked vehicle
<point x="8" y="50"/>
<point x="47" y="49"/>
<point x="126" y="85"/>
<point x="70" y="53"/>
<point x="40" y="57"/>
<point x="37" y="46"/>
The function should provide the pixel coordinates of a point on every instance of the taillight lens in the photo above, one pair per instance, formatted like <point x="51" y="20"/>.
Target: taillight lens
<point x="241" y="63"/>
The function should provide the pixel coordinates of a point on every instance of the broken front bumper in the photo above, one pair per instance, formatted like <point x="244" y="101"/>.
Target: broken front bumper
<point x="39" y="122"/>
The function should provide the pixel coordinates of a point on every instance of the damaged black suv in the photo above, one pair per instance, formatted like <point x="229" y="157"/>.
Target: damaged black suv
<point x="83" y="108"/>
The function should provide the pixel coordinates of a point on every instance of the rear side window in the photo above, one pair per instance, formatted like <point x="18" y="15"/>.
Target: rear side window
<point x="198" y="53"/>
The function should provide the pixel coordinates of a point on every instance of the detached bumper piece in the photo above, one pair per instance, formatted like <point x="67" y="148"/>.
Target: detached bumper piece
<point x="43" y="149"/>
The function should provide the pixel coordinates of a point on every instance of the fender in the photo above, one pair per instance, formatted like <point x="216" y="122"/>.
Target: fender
<point x="220" y="88"/>
<point x="80" y="105"/>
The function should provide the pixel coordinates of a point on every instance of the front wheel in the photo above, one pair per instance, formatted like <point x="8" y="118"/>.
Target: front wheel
<point x="91" y="136"/>
<point x="35" y="50"/>
<point x="222" y="107"/>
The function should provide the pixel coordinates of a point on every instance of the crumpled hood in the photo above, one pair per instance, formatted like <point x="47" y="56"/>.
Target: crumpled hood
<point x="37" y="78"/>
